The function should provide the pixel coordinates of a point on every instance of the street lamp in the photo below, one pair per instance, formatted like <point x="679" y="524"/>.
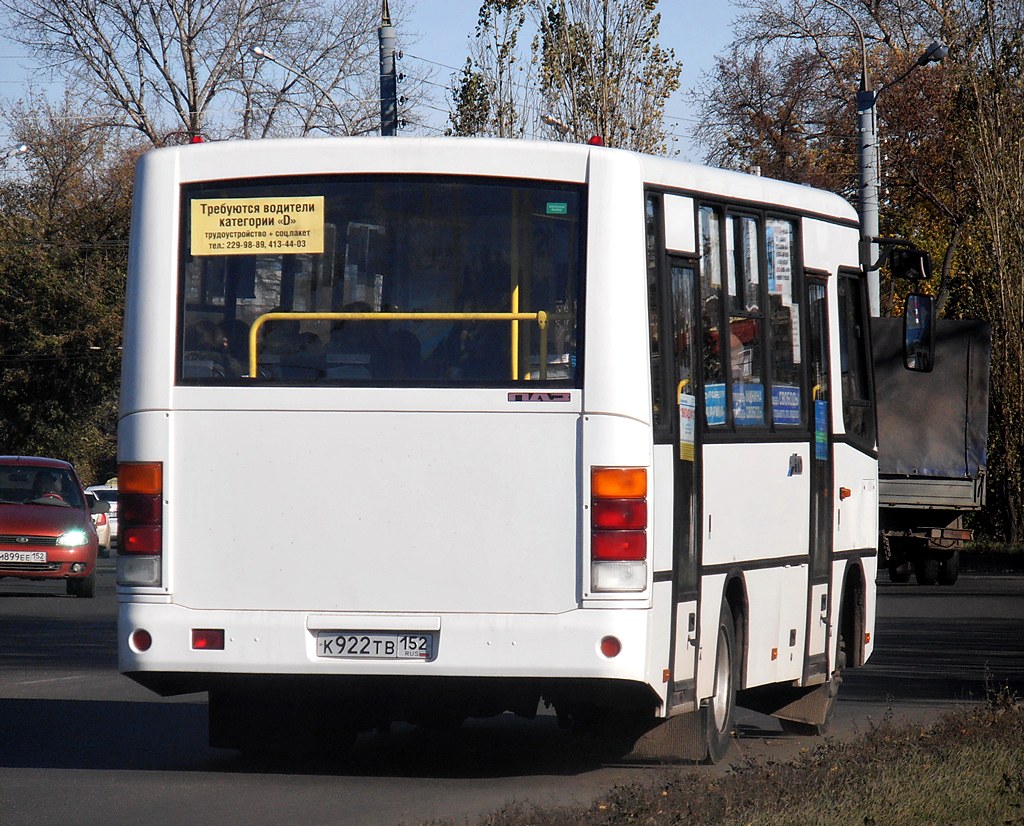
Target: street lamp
<point x="867" y="154"/>
<point x="558" y="126"/>
<point x="265" y="54"/>
<point x="13" y="152"/>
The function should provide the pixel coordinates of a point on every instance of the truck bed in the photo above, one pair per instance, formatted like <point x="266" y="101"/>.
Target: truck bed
<point x="918" y="492"/>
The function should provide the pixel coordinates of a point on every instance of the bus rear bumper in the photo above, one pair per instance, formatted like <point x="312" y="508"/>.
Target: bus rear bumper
<point x="178" y="658"/>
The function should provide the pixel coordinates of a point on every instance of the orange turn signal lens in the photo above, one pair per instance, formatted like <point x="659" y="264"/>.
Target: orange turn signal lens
<point x="618" y="482"/>
<point x="141" y="477"/>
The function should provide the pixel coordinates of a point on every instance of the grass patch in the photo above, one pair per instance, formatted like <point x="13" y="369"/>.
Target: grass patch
<point x="965" y="769"/>
<point x="988" y="556"/>
<point x="989" y="546"/>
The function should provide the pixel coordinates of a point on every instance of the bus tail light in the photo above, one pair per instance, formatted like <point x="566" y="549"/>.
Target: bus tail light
<point x="207" y="639"/>
<point x="140" y="515"/>
<point x="618" y="529"/>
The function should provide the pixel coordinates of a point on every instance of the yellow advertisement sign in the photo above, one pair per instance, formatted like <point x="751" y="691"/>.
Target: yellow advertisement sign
<point x="258" y="226"/>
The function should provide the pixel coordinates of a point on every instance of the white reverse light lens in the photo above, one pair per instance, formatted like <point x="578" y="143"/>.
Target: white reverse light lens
<point x="138" y="570"/>
<point x="618" y="576"/>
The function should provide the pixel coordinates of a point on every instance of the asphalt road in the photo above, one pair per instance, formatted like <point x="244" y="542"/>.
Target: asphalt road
<point x="79" y="743"/>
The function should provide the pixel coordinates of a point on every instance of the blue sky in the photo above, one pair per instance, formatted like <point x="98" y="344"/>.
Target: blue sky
<point x="440" y="29"/>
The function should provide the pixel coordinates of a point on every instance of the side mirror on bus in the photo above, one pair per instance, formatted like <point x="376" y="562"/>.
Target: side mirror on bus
<point x="910" y="264"/>
<point x="919" y="333"/>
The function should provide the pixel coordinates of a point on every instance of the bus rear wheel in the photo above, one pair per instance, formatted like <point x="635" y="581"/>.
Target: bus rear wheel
<point x="721" y="707"/>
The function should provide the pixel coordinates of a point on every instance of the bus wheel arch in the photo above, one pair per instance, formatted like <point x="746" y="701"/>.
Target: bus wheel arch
<point x="734" y="599"/>
<point x="850" y="628"/>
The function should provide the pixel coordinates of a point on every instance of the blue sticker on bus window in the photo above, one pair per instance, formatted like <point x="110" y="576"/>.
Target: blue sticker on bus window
<point x="786" y="404"/>
<point x="714" y="403"/>
<point x="821" y="430"/>
<point x="748" y="404"/>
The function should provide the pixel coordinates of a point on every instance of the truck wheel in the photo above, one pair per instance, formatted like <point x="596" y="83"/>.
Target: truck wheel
<point x="899" y="573"/>
<point x="926" y="570"/>
<point x="949" y="569"/>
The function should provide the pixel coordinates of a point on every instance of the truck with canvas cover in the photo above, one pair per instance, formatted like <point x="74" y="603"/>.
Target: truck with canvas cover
<point x="932" y="442"/>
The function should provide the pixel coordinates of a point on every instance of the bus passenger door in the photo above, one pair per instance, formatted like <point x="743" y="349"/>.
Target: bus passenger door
<point x="684" y="308"/>
<point x="821" y="481"/>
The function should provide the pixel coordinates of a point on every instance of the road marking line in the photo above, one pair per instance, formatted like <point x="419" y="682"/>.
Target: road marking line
<point x="52" y="680"/>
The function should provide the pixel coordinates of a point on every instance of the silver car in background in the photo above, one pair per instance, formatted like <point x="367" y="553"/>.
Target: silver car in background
<point x="108" y="493"/>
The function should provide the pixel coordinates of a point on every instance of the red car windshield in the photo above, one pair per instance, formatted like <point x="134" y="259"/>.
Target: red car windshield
<point x="31" y="484"/>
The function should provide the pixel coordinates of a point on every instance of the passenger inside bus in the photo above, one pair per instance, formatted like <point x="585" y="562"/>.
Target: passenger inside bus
<point x="208" y="352"/>
<point x="290" y="352"/>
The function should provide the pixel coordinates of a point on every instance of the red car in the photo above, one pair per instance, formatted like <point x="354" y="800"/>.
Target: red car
<point x="46" y="529"/>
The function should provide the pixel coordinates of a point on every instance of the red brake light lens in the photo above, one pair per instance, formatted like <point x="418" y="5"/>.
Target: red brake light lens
<point x="140" y="508"/>
<point x="619" y="545"/>
<point x="141" y="539"/>
<point x="619" y="513"/>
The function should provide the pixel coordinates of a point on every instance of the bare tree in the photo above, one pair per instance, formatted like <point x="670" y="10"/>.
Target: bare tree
<point x="995" y="151"/>
<point x="604" y="73"/>
<point x="177" y="68"/>
<point x="494" y="94"/>
<point x="594" y="67"/>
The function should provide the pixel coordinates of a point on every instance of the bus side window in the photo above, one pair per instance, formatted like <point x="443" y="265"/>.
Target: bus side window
<point x="715" y="408"/>
<point x="854" y="347"/>
<point x="746" y="330"/>
<point x="652" y="218"/>
<point x="784" y="318"/>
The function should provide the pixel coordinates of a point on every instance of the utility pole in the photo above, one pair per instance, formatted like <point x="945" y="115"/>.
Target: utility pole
<point x="870" y="176"/>
<point x="388" y="74"/>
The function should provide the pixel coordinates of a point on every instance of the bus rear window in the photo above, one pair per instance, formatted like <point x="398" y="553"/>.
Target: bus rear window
<point x="395" y="280"/>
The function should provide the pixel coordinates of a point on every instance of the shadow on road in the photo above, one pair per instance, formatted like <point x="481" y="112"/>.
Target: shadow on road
<point x="59" y="734"/>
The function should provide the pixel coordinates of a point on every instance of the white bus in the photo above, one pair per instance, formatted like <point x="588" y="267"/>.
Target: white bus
<point x="422" y="429"/>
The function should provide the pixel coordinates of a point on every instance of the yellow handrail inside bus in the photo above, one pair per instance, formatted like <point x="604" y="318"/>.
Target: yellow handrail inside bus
<point x="541" y="317"/>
